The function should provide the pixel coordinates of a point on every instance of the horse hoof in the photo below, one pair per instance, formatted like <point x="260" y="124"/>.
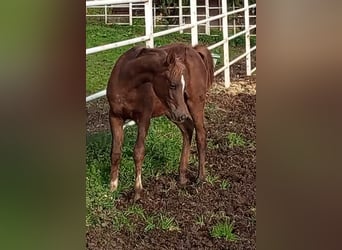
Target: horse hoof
<point x="113" y="185"/>
<point x="200" y="179"/>
<point x="183" y="181"/>
<point x="136" y="197"/>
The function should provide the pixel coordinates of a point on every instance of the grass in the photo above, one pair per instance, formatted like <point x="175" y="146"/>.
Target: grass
<point x="127" y="220"/>
<point x="211" y="179"/>
<point x="135" y="210"/>
<point x="224" y="230"/>
<point x="162" y="222"/>
<point x="224" y="185"/>
<point x="122" y="221"/>
<point x="150" y="223"/>
<point x="167" y="223"/>
<point x="235" y="140"/>
<point x="99" y="65"/>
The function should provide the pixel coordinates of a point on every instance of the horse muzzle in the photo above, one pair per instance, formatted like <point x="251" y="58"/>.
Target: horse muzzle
<point x="179" y="116"/>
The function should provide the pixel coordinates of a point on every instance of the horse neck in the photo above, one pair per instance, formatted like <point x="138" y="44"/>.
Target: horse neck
<point x="142" y="78"/>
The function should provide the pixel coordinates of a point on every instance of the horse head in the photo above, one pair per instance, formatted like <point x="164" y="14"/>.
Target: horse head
<point x="169" y="85"/>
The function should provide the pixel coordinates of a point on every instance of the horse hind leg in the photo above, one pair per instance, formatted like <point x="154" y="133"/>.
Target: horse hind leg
<point x="116" y="125"/>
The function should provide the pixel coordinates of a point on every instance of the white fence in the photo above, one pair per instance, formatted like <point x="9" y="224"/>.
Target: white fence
<point x="149" y="36"/>
<point x="160" y="19"/>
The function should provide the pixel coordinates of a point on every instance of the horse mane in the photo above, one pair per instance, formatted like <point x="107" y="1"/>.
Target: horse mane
<point x="176" y="68"/>
<point x="141" y="60"/>
<point x="208" y="62"/>
<point x="181" y="49"/>
<point x="143" y="51"/>
<point x="176" y="59"/>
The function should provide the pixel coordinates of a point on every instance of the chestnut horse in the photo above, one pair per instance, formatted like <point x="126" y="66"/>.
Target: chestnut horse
<point x="171" y="80"/>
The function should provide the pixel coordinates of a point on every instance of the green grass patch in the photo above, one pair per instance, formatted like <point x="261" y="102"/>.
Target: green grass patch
<point x="135" y="210"/>
<point x="167" y="223"/>
<point x="224" y="185"/>
<point x="212" y="179"/>
<point x="126" y="220"/>
<point x="224" y="230"/>
<point x="236" y="140"/>
<point x="161" y="222"/>
<point x="99" y="65"/>
<point x="122" y="221"/>
<point x="150" y="223"/>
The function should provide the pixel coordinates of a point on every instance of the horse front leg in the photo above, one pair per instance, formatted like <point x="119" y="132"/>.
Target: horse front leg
<point x="139" y="154"/>
<point x="201" y="141"/>
<point x="197" y="113"/>
<point x="187" y="129"/>
<point x="116" y="125"/>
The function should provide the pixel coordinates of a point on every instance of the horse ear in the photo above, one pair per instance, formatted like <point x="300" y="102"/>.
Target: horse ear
<point x="140" y="51"/>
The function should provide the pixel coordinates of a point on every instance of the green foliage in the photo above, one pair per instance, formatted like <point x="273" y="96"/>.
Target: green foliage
<point x="211" y="179"/>
<point x="167" y="223"/>
<point x="224" y="230"/>
<point x="224" y="185"/>
<point x="127" y="219"/>
<point x="135" y="210"/>
<point x="150" y="223"/>
<point x="122" y="221"/>
<point x="235" y="140"/>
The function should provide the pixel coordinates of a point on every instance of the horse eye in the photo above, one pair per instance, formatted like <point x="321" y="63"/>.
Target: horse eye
<point x="173" y="86"/>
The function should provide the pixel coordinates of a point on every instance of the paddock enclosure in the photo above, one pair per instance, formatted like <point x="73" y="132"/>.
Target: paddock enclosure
<point x="217" y="214"/>
<point x="150" y="35"/>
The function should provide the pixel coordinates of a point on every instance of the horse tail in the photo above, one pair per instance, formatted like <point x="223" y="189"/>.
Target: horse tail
<point x="208" y="62"/>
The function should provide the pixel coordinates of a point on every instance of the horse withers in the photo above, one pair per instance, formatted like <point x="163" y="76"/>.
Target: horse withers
<point x="171" y="80"/>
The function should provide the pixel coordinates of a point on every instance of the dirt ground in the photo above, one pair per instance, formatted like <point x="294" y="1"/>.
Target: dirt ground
<point x="227" y="110"/>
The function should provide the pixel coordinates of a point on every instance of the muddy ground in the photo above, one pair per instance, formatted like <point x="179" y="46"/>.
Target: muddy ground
<point x="232" y="110"/>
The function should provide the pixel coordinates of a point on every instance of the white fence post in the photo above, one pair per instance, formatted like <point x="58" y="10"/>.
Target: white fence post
<point x="180" y="14"/>
<point x="130" y="10"/>
<point x="194" y="30"/>
<point x="207" y="15"/>
<point x="247" y="39"/>
<point x="149" y="24"/>
<point x="234" y="21"/>
<point x="154" y="15"/>
<point x="106" y="17"/>
<point x="226" y="44"/>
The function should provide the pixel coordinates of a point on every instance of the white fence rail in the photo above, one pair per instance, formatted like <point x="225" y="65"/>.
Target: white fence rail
<point x="150" y="35"/>
<point x="161" y="19"/>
